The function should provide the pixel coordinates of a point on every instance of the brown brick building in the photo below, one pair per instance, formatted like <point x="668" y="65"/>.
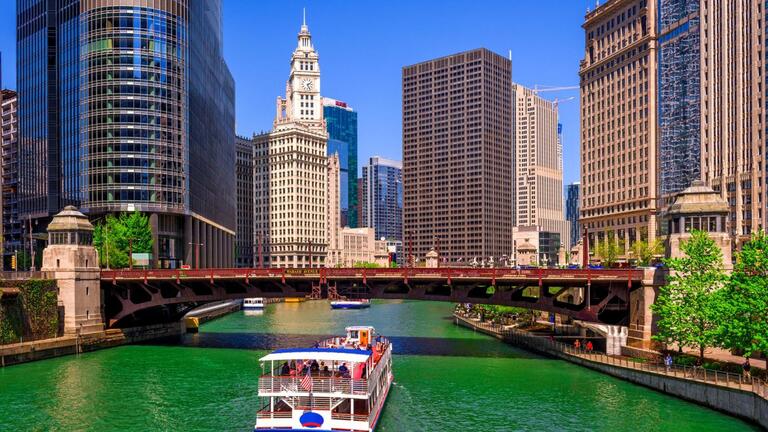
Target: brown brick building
<point x="618" y="121"/>
<point x="458" y="156"/>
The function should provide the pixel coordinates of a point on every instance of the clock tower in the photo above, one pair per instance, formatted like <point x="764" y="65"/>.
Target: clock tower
<point x="302" y="102"/>
<point x="295" y="211"/>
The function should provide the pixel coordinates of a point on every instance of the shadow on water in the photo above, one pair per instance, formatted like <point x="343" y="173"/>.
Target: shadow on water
<point x="404" y="345"/>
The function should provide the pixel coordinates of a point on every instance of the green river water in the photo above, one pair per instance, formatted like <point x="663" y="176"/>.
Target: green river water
<point x="447" y="378"/>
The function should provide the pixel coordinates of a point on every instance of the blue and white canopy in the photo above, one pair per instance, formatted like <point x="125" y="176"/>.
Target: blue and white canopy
<point x="319" y="354"/>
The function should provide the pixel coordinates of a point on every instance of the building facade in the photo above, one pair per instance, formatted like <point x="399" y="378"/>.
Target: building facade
<point x="572" y="196"/>
<point x="383" y="197"/>
<point x="359" y="245"/>
<point x="342" y="140"/>
<point x="457" y="155"/>
<point x="12" y="227"/>
<point x="244" y="170"/>
<point x="333" y="212"/>
<point x="712" y="101"/>
<point x="618" y="122"/>
<point x="296" y="155"/>
<point x="129" y="106"/>
<point x="538" y="164"/>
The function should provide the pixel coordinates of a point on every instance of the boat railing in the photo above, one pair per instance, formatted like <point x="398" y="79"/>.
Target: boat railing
<point x="274" y="414"/>
<point x="350" y="417"/>
<point x="320" y="384"/>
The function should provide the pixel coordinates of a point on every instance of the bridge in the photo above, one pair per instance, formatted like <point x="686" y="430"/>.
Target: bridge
<point x="592" y="295"/>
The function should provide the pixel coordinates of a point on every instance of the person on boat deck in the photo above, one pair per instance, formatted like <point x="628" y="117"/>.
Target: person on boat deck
<point x="314" y="366"/>
<point x="285" y="370"/>
<point x="326" y="372"/>
<point x="343" y="370"/>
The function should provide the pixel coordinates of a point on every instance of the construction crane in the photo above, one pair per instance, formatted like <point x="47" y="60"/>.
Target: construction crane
<point x="536" y="88"/>
<point x="557" y="101"/>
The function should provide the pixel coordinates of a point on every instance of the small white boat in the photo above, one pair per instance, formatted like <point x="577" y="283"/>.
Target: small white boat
<point x="350" y="304"/>
<point x="341" y="384"/>
<point x="253" y="303"/>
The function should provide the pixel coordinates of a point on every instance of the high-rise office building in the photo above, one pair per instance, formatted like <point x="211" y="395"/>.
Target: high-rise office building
<point x="457" y="155"/>
<point x="11" y="226"/>
<point x="296" y="167"/>
<point x="538" y="164"/>
<point x="333" y="209"/>
<point x="244" y="166"/>
<point x="618" y="121"/>
<point x="261" y="207"/>
<point x="712" y="104"/>
<point x="342" y="140"/>
<point x="383" y="198"/>
<point x="572" y="212"/>
<point x="129" y="106"/>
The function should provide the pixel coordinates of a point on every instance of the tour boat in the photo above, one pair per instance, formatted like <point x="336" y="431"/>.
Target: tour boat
<point x="350" y="304"/>
<point x="253" y="303"/>
<point x="341" y="384"/>
<point x="295" y="299"/>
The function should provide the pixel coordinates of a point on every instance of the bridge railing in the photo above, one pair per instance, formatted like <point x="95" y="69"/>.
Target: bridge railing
<point x="403" y="272"/>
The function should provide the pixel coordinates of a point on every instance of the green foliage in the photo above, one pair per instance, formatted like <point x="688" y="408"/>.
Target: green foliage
<point x="113" y="238"/>
<point x="23" y="260"/>
<point x="33" y="314"/>
<point x="745" y="300"/>
<point x="364" y="264"/>
<point x="645" y="251"/>
<point x="687" y="306"/>
<point x="609" y="250"/>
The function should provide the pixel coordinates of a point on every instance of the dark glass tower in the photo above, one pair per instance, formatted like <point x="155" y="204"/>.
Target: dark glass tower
<point x="679" y="95"/>
<point x="125" y="107"/>
<point x="342" y="139"/>
<point x="383" y="198"/>
<point x="572" y="211"/>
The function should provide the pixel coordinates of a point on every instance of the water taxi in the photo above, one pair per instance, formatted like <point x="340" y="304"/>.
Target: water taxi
<point x="350" y="304"/>
<point x="253" y="303"/>
<point x="341" y="384"/>
<point x="295" y="299"/>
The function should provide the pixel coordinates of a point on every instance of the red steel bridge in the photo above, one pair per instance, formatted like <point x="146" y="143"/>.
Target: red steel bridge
<point x="597" y="295"/>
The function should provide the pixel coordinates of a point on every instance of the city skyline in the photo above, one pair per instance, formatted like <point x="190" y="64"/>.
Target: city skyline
<point x="344" y="32"/>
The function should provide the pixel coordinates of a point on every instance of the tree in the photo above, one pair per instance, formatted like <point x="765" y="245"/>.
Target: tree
<point x="687" y="306"/>
<point x="365" y="264"/>
<point x="609" y="250"/>
<point x="645" y="251"/>
<point x="116" y="236"/>
<point x="745" y="299"/>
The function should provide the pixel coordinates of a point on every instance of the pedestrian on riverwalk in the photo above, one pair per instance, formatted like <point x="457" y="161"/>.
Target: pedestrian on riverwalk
<point x="589" y="346"/>
<point x="696" y="367"/>
<point x="668" y="362"/>
<point x="577" y="344"/>
<point x="747" y="368"/>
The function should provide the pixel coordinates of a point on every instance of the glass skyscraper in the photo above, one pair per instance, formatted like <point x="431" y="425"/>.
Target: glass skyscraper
<point x="572" y="211"/>
<point x="383" y="198"/>
<point x="679" y="95"/>
<point x="129" y="106"/>
<point x="342" y="139"/>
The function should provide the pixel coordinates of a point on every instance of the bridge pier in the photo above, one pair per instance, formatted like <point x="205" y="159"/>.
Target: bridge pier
<point x="641" y="324"/>
<point x="73" y="260"/>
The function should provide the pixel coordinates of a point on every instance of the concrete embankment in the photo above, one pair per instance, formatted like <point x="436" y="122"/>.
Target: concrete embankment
<point x="749" y="402"/>
<point x="196" y="317"/>
<point x="74" y="344"/>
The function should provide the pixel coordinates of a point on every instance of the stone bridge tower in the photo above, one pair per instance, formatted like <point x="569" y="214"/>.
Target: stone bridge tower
<point x="74" y="262"/>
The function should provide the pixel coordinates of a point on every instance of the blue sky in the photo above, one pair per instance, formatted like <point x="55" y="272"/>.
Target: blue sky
<point x="364" y="44"/>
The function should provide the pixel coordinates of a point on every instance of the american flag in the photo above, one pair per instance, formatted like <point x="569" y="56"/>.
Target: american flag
<point x="306" y="382"/>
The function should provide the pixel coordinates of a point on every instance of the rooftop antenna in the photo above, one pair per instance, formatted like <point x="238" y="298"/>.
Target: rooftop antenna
<point x="304" y="13"/>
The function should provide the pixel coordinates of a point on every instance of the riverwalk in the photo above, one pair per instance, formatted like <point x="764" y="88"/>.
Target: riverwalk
<point x="727" y="392"/>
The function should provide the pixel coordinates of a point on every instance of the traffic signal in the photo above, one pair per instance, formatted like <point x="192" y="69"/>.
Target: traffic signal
<point x="13" y="262"/>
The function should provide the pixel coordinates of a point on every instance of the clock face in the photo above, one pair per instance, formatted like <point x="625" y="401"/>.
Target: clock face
<point x="307" y="84"/>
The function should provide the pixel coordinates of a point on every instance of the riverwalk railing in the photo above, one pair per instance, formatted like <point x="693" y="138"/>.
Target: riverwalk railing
<point x="553" y="347"/>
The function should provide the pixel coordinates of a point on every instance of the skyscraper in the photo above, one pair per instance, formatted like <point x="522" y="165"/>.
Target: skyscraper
<point x="457" y="155"/>
<point x="129" y="106"/>
<point x="538" y="164"/>
<point x="618" y="121"/>
<point x="297" y="165"/>
<point x="383" y="198"/>
<point x="244" y="170"/>
<point x="11" y="227"/>
<point x="342" y="140"/>
<point x="712" y="107"/>
<point x="572" y="212"/>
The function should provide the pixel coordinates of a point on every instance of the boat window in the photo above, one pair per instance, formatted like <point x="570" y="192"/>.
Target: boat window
<point x="353" y="334"/>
